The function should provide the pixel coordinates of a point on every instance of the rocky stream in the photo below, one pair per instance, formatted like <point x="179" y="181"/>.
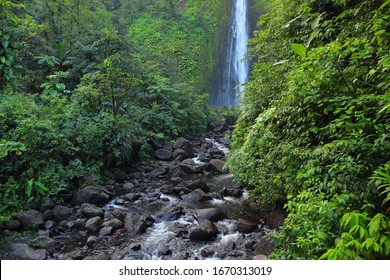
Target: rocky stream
<point x="183" y="205"/>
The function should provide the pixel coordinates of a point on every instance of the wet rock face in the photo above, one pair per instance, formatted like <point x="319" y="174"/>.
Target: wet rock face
<point x="90" y="210"/>
<point x="136" y="223"/>
<point x="204" y="232"/>
<point x="92" y="195"/>
<point x="211" y="214"/>
<point x="30" y="219"/>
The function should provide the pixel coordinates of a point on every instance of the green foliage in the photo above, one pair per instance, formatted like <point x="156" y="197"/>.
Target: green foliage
<point x="364" y="238"/>
<point x="95" y="81"/>
<point x="314" y="122"/>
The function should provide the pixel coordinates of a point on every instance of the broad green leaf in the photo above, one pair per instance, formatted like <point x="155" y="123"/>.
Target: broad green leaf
<point x="299" y="49"/>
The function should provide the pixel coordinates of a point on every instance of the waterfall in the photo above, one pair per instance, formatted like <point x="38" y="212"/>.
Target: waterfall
<point x="234" y="71"/>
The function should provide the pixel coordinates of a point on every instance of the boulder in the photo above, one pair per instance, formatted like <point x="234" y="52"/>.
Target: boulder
<point x="13" y="225"/>
<point x="218" y="166"/>
<point x="30" y="219"/>
<point x="43" y="242"/>
<point x="114" y="224"/>
<point x="211" y="214"/>
<point x="163" y="154"/>
<point x="178" y="153"/>
<point x="225" y="141"/>
<point x="245" y="226"/>
<point x="232" y="192"/>
<point x="104" y="231"/>
<point x="92" y="241"/>
<point x="132" y="197"/>
<point x="93" y="195"/>
<point x="199" y="184"/>
<point x="204" y="232"/>
<point x="124" y="189"/>
<point x="172" y="215"/>
<point x="218" y="127"/>
<point x="47" y="204"/>
<point x="136" y="223"/>
<point x="264" y="246"/>
<point x="188" y="166"/>
<point x="24" y="252"/>
<point x="160" y="170"/>
<point x="185" y="145"/>
<point x="119" y="214"/>
<point x="93" y="224"/>
<point x="196" y="196"/>
<point x="61" y="213"/>
<point x="90" y="210"/>
<point x="216" y="153"/>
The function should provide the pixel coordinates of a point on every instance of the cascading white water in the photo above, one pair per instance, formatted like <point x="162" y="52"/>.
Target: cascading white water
<point x="241" y="34"/>
<point x="235" y="70"/>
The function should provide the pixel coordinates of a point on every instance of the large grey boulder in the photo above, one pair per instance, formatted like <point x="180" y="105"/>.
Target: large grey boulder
<point x="22" y="251"/>
<point x="204" y="232"/>
<point x="185" y="145"/>
<point x="30" y="219"/>
<point x="61" y="213"/>
<point x="136" y="223"/>
<point x="90" y="210"/>
<point x="211" y="214"/>
<point x="92" y="195"/>
<point x="196" y="196"/>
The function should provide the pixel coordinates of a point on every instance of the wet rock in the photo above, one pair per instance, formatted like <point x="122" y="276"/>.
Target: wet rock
<point x="159" y="171"/>
<point x="236" y="253"/>
<point x="259" y="258"/>
<point x="196" y="196"/>
<point x="114" y="223"/>
<point x="136" y="223"/>
<point x="13" y="225"/>
<point x="176" y="171"/>
<point x="264" y="246"/>
<point x="174" y="214"/>
<point x="185" y="145"/>
<point x="80" y="223"/>
<point x="217" y="165"/>
<point x="103" y="257"/>
<point x="225" y="141"/>
<point x="43" y="242"/>
<point x="92" y="241"/>
<point x="163" y="154"/>
<point x="181" y="190"/>
<point x="165" y="251"/>
<point x="120" y="201"/>
<point x="218" y="127"/>
<point x="245" y="226"/>
<point x="104" y="231"/>
<point x="178" y="153"/>
<point x="30" y="219"/>
<point x="24" y="252"/>
<point x="166" y="189"/>
<point x="176" y="180"/>
<point x="188" y="166"/>
<point x="132" y="197"/>
<point x="199" y="184"/>
<point x="119" y="214"/>
<point x="48" y="215"/>
<point x="211" y="214"/>
<point x="61" y="213"/>
<point x="207" y="252"/>
<point x="204" y="232"/>
<point x="216" y="153"/>
<point x="232" y="192"/>
<point x="48" y="225"/>
<point x="47" y="204"/>
<point x="136" y="247"/>
<point x="124" y="189"/>
<point x="92" y="195"/>
<point x="93" y="224"/>
<point x="90" y="210"/>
